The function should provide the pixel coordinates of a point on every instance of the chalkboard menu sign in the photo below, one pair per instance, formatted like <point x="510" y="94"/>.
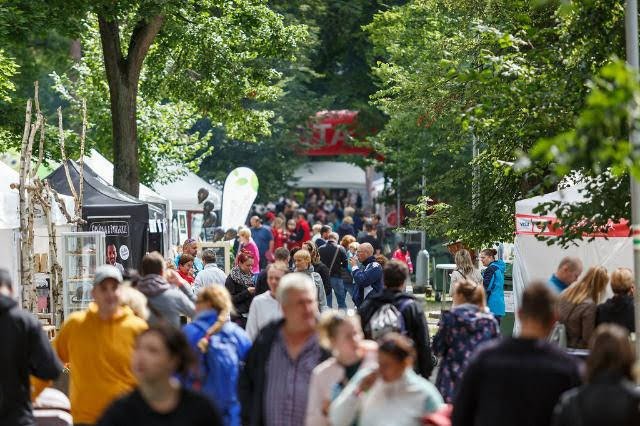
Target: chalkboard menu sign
<point x="222" y="250"/>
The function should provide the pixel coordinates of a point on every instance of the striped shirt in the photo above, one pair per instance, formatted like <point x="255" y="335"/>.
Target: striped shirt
<point x="287" y="382"/>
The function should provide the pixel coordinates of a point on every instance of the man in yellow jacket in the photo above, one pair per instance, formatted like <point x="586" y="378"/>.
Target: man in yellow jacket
<point x="97" y="344"/>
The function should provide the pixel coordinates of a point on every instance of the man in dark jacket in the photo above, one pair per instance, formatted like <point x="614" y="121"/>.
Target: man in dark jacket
<point x="415" y="324"/>
<point x="517" y="381"/>
<point x="26" y="350"/>
<point x="335" y="257"/>
<point x="279" y="365"/>
<point x="367" y="278"/>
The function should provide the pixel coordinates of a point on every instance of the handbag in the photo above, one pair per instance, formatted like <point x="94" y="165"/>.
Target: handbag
<point x="558" y="333"/>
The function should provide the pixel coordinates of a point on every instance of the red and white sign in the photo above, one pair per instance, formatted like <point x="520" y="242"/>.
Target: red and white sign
<point x="549" y="226"/>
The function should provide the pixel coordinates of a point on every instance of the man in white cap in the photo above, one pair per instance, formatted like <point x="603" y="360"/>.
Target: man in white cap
<point x="98" y="345"/>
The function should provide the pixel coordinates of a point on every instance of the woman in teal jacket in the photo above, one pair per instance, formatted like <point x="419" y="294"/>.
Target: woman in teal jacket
<point x="493" y="282"/>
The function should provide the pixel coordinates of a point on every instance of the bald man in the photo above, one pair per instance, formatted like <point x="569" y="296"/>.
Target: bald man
<point x="367" y="277"/>
<point x="568" y="272"/>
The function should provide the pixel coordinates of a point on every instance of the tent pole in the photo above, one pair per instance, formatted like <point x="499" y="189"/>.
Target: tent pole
<point x="631" y="35"/>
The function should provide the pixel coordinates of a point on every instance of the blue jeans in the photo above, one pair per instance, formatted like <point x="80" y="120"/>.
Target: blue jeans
<point x="348" y="288"/>
<point x="338" y="287"/>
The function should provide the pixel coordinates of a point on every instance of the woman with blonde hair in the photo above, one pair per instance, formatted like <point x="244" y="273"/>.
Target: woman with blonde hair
<point x="340" y="333"/>
<point x="619" y="309"/>
<point x="465" y="270"/>
<point x="460" y="331"/>
<point x="578" y="306"/>
<point x="302" y="261"/>
<point x="222" y="347"/>
<point x="247" y="244"/>
<point x="320" y="268"/>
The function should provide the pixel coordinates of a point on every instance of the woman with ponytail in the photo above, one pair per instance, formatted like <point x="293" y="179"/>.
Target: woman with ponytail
<point x="221" y="347"/>
<point x="460" y="331"/>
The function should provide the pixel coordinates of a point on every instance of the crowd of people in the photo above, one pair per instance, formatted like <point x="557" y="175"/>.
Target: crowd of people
<point x="322" y="332"/>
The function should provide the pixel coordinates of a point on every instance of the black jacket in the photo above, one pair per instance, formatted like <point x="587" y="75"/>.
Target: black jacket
<point x="251" y="384"/>
<point x="323" y="271"/>
<point x="414" y="321"/>
<point x="25" y="350"/>
<point x="239" y="295"/>
<point x="617" y="310"/>
<point x="261" y="283"/>
<point x="327" y="252"/>
<point x="608" y="400"/>
<point x="513" y="381"/>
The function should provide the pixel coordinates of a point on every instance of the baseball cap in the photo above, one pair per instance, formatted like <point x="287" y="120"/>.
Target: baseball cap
<point x="105" y="272"/>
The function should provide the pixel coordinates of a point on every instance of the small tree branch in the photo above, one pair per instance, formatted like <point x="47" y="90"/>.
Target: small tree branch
<point x="64" y="156"/>
<point x="141" y="39"/>
<point x="82" y="140"/>
<point x="43" y="126"/>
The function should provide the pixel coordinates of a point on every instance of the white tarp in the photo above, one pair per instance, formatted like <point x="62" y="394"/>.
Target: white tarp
<point x="329" y="174"/>
<point x="10" y="202"/>
<point x="183" y="192"/>
<point x="535" y="260"/>
<point x="104" y="169"/>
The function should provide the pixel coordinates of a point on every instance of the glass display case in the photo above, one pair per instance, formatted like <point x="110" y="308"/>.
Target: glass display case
<point x="82" y="253"/>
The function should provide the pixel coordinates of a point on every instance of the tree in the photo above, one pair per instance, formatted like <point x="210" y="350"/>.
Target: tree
<point x="498" y="75"/>
<point x="215" y="55"/>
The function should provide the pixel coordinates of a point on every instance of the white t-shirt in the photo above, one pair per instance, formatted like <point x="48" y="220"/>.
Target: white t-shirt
<point x="263" y="310"/>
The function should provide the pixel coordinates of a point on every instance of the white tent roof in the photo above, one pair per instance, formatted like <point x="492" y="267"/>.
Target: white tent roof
<point x="183" y="192"/>
<point x="10" y="201"/>
<point x="567" y="195"/>
<point x="104" y="169"/>
<point x="329" y="174"/>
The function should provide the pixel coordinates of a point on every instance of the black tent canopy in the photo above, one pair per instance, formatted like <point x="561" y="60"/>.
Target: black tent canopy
<point x="123" y="218"/>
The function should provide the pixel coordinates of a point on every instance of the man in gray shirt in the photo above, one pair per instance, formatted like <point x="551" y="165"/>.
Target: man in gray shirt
<point x="211" y="274"/>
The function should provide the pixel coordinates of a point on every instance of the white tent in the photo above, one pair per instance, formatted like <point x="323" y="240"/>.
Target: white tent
<point x="329" y="174"/>
<point x="535" y="260"/>
<point x="104" y="169"/>
<point x="10" y="223"/>
<point x="183" y="192"/>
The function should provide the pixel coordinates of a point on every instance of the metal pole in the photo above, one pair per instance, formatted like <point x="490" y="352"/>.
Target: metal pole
<point x="423" y="235"/>
<point x="631" y="33"/>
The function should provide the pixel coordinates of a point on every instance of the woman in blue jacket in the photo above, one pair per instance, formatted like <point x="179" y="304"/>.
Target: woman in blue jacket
<point x="222" y="347"/>
<point x="493" y="282"/>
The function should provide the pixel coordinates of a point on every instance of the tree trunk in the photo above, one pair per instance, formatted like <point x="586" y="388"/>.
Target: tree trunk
<point x="123" y="74"/>
<point x="125" y="138"/>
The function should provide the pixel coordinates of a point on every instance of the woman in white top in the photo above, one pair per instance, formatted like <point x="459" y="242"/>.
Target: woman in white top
<point x="392" y="394"/>
<point x="342" y="334"/>
<point x="465" y="270"/>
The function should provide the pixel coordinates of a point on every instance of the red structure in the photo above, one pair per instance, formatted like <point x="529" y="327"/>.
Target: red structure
<point x="333" y="133"/>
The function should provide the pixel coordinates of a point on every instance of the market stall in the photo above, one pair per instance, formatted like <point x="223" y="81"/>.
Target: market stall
<point x="329" y="174"/>
<point x="159" y="229"/>
<point x="124" y="219"/>
<point x="535" y="260"/>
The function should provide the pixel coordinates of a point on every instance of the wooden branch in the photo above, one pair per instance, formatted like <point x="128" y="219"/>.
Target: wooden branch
<point x="63" y="207"/>
<point x="64" y="156"/>
<point x="36" y="88"/>
<point x="142" y="37"/>
<point x="25" y="134"/>
<point x="40" y="147"/>
<point x="82" y="140"/>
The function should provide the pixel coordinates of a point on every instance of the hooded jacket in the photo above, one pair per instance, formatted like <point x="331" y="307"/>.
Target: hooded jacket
<point x="165" y="301"/>
<point x="414" y="321"/>
<point x="26" y="350"/>
<point x="493" y="282"/>
<point x="460" y="331"/>
<point x="228" y="348"/>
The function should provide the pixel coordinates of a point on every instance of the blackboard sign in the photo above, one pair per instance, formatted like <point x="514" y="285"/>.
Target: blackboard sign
<point x="222" y="250"/>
